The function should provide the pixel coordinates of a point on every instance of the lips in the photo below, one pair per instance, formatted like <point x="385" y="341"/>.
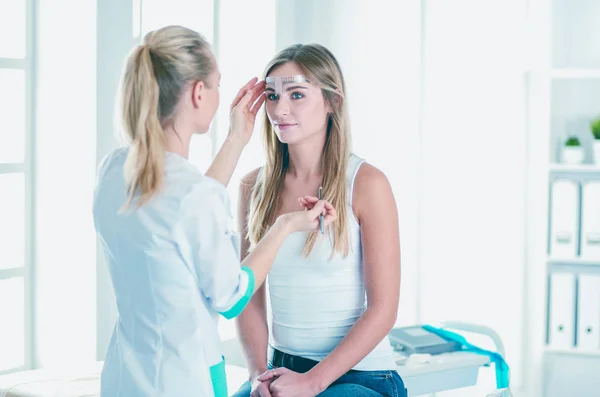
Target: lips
<point x="285" y="126"/>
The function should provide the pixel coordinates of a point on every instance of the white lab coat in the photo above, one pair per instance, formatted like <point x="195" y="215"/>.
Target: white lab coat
<point x="174" y="264"/>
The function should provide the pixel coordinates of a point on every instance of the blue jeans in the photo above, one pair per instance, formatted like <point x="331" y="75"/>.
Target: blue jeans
<point x="354" y="383"/>
<point x="358" y="384"/>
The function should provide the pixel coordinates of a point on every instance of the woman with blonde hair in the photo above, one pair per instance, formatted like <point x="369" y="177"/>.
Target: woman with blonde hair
<point x="334" y="294"/>
<point x="173" y="261"/>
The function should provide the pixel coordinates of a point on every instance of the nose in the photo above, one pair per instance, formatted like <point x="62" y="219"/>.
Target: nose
<point x="282" y="108"/>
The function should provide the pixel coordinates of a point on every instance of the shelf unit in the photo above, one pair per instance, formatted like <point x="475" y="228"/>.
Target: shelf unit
<point x="567" y="90"/>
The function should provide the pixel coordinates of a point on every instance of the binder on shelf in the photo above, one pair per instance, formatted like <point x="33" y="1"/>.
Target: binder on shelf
<point x="588" y="312"/>
<point x="561" y="332"/>
<point x="590" y="221"/>
<point x="564" y="217"/>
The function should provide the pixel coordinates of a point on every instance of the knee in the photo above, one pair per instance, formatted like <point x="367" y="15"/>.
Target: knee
<point x="243" y="391"/>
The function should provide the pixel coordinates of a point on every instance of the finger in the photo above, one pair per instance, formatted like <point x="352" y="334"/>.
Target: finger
<point x="258" y="104"/>
<point x="331" y="215"/>
<point x="243" y="91"/>
<point x="328" y="206"/>
<point x="243" y="103"/>
<point x="317" y="209"/>
<point x="280" y="371"/>
<point x="257" y="90"/>
<point x="272" y="373"/>
<point x="306" y="203"/>
<point x="264" y="391"/>
<point x="266" y="376"/>
<point x="303" y="202"/>
<point x="311" y="199"/>
<point x="274" y="389"/>
<point x="247" y="99"/>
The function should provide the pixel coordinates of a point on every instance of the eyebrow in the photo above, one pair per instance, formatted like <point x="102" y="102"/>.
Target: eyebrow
<point x="294" y="87"/>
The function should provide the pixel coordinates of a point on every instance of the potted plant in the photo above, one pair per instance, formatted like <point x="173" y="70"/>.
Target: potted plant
<point x="572" y="152"/>
<point x="595" y="127"/>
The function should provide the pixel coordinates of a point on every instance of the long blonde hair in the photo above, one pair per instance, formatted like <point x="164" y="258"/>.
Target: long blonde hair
<point x="321" y="68"/>
<point x="154" y="78"/>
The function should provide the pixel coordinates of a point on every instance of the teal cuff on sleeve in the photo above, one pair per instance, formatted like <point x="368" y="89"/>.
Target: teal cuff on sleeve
<point x="241" y="304"/>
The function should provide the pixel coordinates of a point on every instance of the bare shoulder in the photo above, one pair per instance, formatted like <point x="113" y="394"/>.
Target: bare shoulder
<point x="248" y="181"/>
<point x="370" y="186"/>
<point x="250" y="178"/>
<point x="245" y="192"/>
<point x="369" y="180"/>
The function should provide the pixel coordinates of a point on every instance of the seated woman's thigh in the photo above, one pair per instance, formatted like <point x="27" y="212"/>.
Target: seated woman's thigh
<point x="386" y="383"/>
<point x="348" y="389"/>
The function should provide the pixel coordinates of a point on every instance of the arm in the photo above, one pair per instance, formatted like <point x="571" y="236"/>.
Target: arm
<point x="209" y="244"/>
<point x="375" y="208"/>
<point x="226" y="160"/>
<point x="252" y="323"/>
<point x="203" y="237"/>
<point x="243" y="114"/>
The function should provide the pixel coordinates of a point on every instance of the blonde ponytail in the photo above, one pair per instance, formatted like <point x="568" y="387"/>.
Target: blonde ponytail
<point x="155" y="76"/>
<point x="144" y="167"/>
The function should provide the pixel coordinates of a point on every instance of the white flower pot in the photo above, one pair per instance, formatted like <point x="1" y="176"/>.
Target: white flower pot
<point x="572" y="155"/>
<point x="597" y="152"/>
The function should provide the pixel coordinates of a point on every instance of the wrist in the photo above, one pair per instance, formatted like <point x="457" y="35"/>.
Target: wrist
<point x="256" y="372"/>
<point x="316" y="380"/>
<point x="283" y="224"/>
<point x="236" y="139"/>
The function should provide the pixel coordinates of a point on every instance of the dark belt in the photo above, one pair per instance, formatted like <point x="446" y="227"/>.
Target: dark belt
<point x="295" y="363"/>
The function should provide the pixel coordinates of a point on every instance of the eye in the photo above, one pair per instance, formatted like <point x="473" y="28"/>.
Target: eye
<point x="297" y="95"/>
<point x="272" y="97"/>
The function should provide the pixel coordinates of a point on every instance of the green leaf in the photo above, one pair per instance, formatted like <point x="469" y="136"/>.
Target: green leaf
<point x="572" y="141"/>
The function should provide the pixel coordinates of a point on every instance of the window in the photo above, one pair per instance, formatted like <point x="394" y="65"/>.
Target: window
<point x="15" y="185"/>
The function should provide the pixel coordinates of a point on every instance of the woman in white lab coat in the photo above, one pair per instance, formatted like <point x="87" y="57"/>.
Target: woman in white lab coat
<point x="173" y="260"/>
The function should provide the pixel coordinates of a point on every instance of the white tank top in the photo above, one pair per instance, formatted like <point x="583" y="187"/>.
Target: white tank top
<point x="315" y="300"/>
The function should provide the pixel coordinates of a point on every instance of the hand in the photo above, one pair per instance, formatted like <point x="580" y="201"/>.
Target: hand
<point x="261" y="389"/>
<point x="308" y="202"/>
<point x="308" y="220"/>
<point x="244" y="108"/>
<point x="287" y="383"/>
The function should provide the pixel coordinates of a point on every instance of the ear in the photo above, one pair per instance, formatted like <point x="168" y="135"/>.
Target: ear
<point x="198" y="90"/>
<point x="337" y="100"/>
